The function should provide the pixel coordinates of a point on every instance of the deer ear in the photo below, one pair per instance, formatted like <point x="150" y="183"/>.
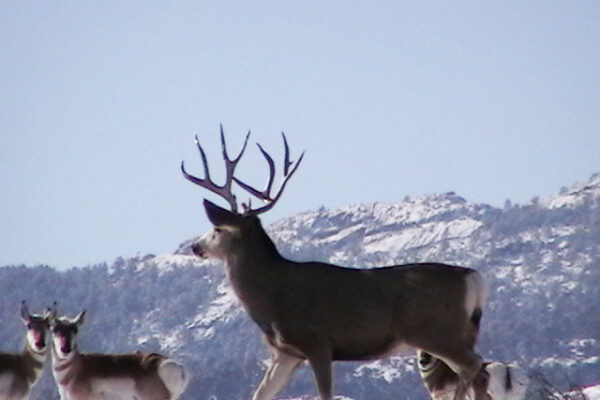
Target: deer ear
<point x="219" y="216"/>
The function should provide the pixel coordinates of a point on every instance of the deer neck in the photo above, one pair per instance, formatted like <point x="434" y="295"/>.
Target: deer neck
<point x="256" y="253"/>
<point x="254" y="273"/>
<point x="33" y="362"/>
<point x="252" y="270"/>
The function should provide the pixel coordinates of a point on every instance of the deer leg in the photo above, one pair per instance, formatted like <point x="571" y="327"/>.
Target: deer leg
<point x="277" y="376"/>
<point x="321" y="367"/>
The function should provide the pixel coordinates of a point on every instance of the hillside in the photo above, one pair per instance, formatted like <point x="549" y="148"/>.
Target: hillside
<point x="541" y="261"/>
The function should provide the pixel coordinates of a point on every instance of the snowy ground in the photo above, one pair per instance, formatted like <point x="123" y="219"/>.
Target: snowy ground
<point x="592" y="392"/>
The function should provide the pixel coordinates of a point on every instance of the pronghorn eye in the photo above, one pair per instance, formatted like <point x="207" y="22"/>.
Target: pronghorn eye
<point x="218" y="230"/>
<point x="426" y="361"/>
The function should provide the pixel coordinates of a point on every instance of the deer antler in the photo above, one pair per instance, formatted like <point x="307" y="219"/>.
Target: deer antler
<point x="225" y="190"/>
<point x="207" y="183"/>
<point x="265" y="195"/>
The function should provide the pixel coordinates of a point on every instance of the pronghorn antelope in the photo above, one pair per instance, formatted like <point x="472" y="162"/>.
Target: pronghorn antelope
<point x="323" y="313"/>
<point x="19" y="372"/>
<point x="136" y="376"/>
<point x="499" y="380"/>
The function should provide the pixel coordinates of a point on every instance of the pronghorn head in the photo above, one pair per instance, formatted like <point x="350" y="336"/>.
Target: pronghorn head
<point x="64" y="333"/>
<point x="37" y="327"/>
<point x="442" y="382"/>
<point x="501" y="381"/>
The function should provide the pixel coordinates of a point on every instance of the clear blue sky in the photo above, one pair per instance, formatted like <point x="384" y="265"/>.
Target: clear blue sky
<point x="100" y="100"/>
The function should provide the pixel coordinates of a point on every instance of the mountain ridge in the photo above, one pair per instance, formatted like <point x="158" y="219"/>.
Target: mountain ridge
<point x="540" y="260"/>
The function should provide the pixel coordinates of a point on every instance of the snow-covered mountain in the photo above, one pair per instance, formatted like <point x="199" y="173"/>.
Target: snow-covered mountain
<point x="540" y="260"/>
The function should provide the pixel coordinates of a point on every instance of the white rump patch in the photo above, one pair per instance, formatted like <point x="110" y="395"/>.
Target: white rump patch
<point x="114" y="388"/>
<point x="497" y="387"/>
<point x="174" y="376"/>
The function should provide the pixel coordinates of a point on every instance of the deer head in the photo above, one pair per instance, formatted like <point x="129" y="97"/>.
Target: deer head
<point x="233" y="227"/>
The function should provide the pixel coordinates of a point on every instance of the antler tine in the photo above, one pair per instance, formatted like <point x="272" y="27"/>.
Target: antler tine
<point x="203" y="155"/>
<point x="271" y="169"/>
<point x="207" y="183"/>
<point x="229" y="163"/>
<point x="192" y="178"/>
<point x="266" y="194"/>
<point x="287" y="162"/>
<point x="224" y="148"/>
<point x="272" y="201"/>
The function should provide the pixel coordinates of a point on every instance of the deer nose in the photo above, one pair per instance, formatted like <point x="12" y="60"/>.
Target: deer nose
<point x="197" y="250"/>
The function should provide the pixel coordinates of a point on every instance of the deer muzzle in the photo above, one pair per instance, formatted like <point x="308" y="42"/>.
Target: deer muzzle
<point x="198" y="250"/>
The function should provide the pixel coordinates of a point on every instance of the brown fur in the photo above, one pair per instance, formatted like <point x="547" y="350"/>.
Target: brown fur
<point x="141" y="367"/>
<point x="25" y="369"/>
<point x="81" y="376"/>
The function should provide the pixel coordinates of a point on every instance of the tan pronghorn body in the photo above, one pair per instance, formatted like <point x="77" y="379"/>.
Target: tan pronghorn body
<point x="20" y="372"/>
<point x="138" y="376"/>
<point x="323" y="313"/>
<point x="498" y="380"/>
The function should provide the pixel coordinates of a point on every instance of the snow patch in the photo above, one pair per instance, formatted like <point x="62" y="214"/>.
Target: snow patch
<point x="592" y="392"/>
<point x="389" y="370"/>
<point x="223" y="308"/>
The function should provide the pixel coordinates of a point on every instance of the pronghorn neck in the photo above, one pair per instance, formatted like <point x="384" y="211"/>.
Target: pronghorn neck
<point x="34" y="361"/>
<point x="57" y="359"/>
<point x="65" y="368"/>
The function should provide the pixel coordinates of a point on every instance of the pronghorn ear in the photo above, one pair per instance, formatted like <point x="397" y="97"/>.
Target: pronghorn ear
<point x="219" y="216"/>
<point x="51" y="313"/>
<point x="80" y="318"/>
<point x="24" y="312"/>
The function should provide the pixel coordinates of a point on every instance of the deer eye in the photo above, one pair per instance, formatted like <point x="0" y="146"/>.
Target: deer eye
<point x="218" y="230"/>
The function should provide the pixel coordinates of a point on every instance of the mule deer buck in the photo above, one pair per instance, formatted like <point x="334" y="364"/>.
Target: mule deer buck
<point x="20" y="372"/>
<point x="322" y="313"/>
<point x="80" y="376"/>
<point x="501" y="381"/>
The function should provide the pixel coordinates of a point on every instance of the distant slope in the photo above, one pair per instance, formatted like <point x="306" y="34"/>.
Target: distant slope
<point x="541" y="262"/>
